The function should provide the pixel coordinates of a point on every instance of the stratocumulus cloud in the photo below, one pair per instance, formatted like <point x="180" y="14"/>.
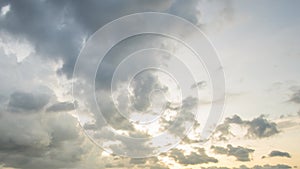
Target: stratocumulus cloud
<point x="39" y="122"/>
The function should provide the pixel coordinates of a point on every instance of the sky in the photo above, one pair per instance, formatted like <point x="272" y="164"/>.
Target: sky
<point x="149" y="84"/>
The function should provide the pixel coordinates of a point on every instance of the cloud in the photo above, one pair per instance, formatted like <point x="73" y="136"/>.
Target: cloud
<point x="214" y="167"/>
<point x="267" y="166"/>
<point x="197" y="157"/>
<point x="142" y="88"/>
<point x="276" y="153"/>
<point x="30" y="137"/>
<point x="27" y="102"/>
<point x="29" y="142"/>
<point x="57" y="29"/>
<point x="157" y="166"/>
<point x="200" y="85"/>
<point x="219" y="150"/>
<point x="259" y="127"/>
<point x="235" y="119"/>
<point x="61" y="106"/>
<point x="295" y="98"/>
<point x="143" y="162"/>
<point x="241" y="153"/>
<point x="180" y="125"/>
<point x="44" y="29"/>
<point x="138" y="160"/>
<point x="123" y="162"/>
<point x="186" y="10"/>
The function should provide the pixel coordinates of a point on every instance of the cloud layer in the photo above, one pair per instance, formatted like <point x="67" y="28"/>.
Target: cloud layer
<point x="37" y="124"/>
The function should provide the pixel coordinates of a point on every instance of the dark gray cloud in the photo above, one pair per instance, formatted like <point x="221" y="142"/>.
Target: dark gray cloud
<point x="151" y="163"/>
<point x="31" y="138"/>
<point x="186" y="10"/>
<point x="234" y="119"/>
<point x="57" y="28"/>
<point x="240" y="153"/>
<point x="276" y="153"/>
<point x="219" y="150"/>
<point x="222" y="131"/>
<point x="185" y="117"/>
<point x="151" y="160"/>
<point x="47" y="27"/>
<point x="143" y="87"/>
<point x="295" y="98"/>
<point x="61" y="106"/>
<point x="27" y="102"/>
<point x="259" y="127"/>
<point x="110" y="113"/>
<point x="29" y="142"/>
<point x="197" y="157"/>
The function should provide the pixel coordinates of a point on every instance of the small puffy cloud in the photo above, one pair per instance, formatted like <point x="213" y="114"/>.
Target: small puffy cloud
<point x="241" y="153"/>
<point x="259" y="127"/>
<point x="219" y="150"/>
<point x="234" y="119"/>
<point x="277" y="153"/>
<point x="197" y="157"/>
